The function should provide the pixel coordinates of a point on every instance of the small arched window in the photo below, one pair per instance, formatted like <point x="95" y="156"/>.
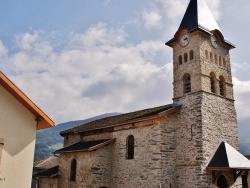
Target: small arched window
<point x="185" y="57"/>
<point x="212" y="82"/>
<point x="222" y="86"/>
<point x="130" y="147"/>
<point x="224" y="63"/>
<point x="222" y="182"/>
<point x="206" y="52"/>
<point x="211" y="57"/>
<point x="191" y="55"/>
<point x="180" y="59"/>
<point x="73" y="170"/>
<point x="215" y="58"/>
<point x="187" y="83"/>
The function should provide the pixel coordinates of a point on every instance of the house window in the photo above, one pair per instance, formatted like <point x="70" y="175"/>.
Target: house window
<point x="185" y="57"/>
<point x="130" y="147"/>
<point x="180" y="60"/>
<point x="222" y="86"/>
<point x="222" y="182"/>
<point x="73" y="170"/>
<point x="212" y="82"/>
<point x="187" y="83"/>
<point x="191" y="55"/>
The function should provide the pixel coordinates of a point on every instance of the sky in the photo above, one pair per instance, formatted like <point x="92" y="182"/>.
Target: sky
<point x="77" y="59"/>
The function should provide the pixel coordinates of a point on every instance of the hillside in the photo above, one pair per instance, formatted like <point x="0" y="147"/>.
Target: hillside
<point x="49" y="140"/>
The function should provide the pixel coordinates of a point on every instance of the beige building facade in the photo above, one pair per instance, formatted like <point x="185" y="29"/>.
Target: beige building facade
<point x="191" y="143"/>
<point x="19" y="120"/>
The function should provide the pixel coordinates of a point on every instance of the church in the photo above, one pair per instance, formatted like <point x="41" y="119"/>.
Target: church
<point x="191" y="143"/>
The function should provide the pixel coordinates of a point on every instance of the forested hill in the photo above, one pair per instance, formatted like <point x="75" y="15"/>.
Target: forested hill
<point x="49" y="140"/>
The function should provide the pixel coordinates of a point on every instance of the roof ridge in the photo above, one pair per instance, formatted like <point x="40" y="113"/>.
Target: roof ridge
<point x="115" y="116"/>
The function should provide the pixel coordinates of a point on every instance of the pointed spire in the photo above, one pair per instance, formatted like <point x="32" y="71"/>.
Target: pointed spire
<point x="198" y="15"/>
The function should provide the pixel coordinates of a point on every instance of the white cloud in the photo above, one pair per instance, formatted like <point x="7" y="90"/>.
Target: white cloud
<point x="25" y="41"/>
<point x="242" y="93"/>
<point x="97" y="72"/>
<point x="3" y="50"/>
<point x="151" y="18"/>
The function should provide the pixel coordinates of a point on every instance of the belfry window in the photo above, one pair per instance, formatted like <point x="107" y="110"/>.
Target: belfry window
<point x="191" y="55"/>
<point x="212" y="82"/>
<point x="180" y="60"/>
<point x="215" y="59"/>
<point x="185" y="57"/>
<point x="222" y="86"/>
<point x="187" y="83"/>
<point x="130" y="147"/>
<point x="206" y="52"/>
<point x="73" y="170"/>
<point x="211" y="57"/>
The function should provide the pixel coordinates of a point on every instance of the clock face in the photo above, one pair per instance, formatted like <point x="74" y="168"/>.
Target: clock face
<point x="214" y="41"/>
<point x="184" y="40"/>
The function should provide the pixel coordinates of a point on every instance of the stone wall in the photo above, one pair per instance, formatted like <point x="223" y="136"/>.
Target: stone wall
<point x="48" y="182"/>
<point x="204" y="122"/>
<point x="93" y="168"/>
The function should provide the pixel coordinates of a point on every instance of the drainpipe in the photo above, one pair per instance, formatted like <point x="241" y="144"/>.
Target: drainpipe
<point x="1" y="147"/>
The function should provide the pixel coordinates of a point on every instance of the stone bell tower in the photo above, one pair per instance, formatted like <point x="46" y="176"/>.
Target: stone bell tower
<point x="203" y="84"/>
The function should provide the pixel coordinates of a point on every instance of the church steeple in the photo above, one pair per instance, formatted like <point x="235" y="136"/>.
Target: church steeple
<point x="201" y="58"/>
<point x="198" y="15"/>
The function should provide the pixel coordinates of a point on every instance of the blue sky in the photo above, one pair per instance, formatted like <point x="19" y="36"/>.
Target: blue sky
<point x="77" y="59"/>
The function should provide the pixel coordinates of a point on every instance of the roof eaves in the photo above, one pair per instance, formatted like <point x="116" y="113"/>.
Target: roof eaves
<point x="137" y="120"/>
<point x="102" y="144"/>
<point x="97" y="146"/>
<point x="44" y="120"/>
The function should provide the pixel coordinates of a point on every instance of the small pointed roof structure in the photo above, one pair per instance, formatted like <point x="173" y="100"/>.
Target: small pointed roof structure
<point x="228" y="158"/>
<point x="198" y="15"/>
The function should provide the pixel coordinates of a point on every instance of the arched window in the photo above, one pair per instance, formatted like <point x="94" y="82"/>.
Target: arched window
<point x="180" y="60"/>
<point x="187" y="83"/>
<point x="211" y="57"/>
<point x="185" y="57"/>
<point x="73" y="170"/>
<point x="222" y="182"/>
<point x="222" y="86"/>
<point x="215" y="58"/>
<point x="130" y="147"/>
<point x="244" y="180"/>
<point x="212" y="82"/>
<point x="220" y="60"/>
<point x="206" y="52"/>
<point x="191" y="55"/>
<point x="224" y="63"/>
